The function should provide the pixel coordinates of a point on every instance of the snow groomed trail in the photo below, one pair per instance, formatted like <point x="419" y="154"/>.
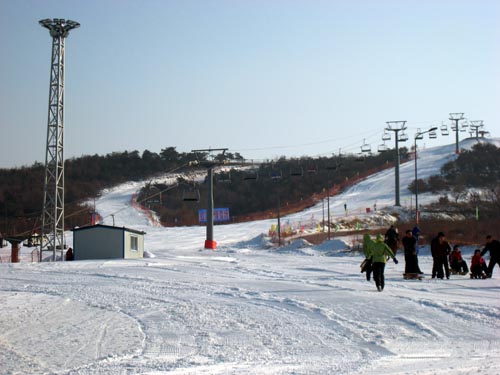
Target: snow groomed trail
<point x="243" y="312"/>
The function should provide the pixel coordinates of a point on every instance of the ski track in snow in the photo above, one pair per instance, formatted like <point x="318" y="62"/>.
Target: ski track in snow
<point x="246" y="309"/>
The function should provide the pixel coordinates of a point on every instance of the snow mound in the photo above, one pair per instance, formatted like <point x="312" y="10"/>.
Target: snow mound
<point x="332" y="246"/>
<point x="257" y="243"/>
<point x="297" y="247"/>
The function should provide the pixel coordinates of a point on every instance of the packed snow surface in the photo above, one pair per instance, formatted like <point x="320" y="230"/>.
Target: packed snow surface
<point x="247" y="308"/>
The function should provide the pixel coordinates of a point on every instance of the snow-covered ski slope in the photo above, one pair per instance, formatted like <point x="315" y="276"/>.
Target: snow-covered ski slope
<point x="245" y="308"/>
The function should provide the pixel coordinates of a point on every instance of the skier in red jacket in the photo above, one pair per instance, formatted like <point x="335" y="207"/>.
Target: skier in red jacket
<point x="478" y="267"/>
<point x="457" y="263"/>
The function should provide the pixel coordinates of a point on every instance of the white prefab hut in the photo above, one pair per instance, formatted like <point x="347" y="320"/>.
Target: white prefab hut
<point x="107" y="242"/>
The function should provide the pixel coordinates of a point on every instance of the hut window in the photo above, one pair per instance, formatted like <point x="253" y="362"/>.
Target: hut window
<point x="134" y="243"/>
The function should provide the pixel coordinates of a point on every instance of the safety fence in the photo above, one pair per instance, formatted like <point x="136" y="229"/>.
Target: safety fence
<point x="33" y="257"/>
<point x="144" y="210"/>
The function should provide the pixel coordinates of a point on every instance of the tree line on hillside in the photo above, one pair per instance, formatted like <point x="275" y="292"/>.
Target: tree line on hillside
<point x="477" y="168"/>
<point x="21" y="192"/>
<point x="21" y="189"/>
<point x="254" y="190"/>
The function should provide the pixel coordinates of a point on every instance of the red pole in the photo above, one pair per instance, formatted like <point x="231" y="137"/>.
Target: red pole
<point x="14" y="255"/>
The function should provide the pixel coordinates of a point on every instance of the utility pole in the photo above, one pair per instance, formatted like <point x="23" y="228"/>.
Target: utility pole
<point x="53" y="189"/>
<point x="328" y="212"/>
<point x="396" y="127"/>
<point x="456" y="117"/>
<point x="210" y="164"/>
<point x="279" y="219"/>
<point x="329" y="187"/>
<point x="323" y="206"/>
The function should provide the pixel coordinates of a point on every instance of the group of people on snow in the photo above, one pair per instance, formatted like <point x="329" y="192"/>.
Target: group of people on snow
<point x="445" y="259"/>
<point x="442" y="254"/>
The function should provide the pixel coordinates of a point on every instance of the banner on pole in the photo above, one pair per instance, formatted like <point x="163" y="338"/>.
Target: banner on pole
<point x="220" y="215"/>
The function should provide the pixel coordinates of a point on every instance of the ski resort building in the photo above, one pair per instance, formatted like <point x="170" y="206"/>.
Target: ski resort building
<point x="107" y="242"/>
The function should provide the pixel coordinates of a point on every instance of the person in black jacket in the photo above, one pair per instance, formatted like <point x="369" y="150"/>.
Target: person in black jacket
<point x="440" y="249"/>
<point x="416" y="233"/>
<point x="409" y="244"/>
<point x="391" y="239"/>
<point x="493" y="246"/>
<point x="69" y="254"/>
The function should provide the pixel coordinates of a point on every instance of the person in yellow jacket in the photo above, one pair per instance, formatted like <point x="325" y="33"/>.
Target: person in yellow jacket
<point x="366" y="266"/>
<point x="379" y="253"/>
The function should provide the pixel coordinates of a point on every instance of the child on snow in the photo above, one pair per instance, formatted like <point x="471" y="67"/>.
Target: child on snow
<point x="478" y="267"/>
<point x="457" y="263"/>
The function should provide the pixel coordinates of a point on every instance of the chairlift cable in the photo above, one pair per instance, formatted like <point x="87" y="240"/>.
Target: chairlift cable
<point x="307" y="144"/>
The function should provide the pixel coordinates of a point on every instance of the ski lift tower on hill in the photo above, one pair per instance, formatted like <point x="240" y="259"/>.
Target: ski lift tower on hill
<point x="53" y="189"/>
<point x="457" y="116"/>
<point x="396" y="127"/>
<point x="210" y="164"/>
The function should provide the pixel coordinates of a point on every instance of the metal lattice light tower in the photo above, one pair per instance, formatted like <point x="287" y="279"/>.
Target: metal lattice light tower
<point x="396" y="127"/>
<point x="456" y="117"/>
<point x="53" y="190"/>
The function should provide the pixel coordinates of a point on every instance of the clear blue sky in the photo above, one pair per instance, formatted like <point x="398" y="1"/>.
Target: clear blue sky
<point x="263" y="78"/>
